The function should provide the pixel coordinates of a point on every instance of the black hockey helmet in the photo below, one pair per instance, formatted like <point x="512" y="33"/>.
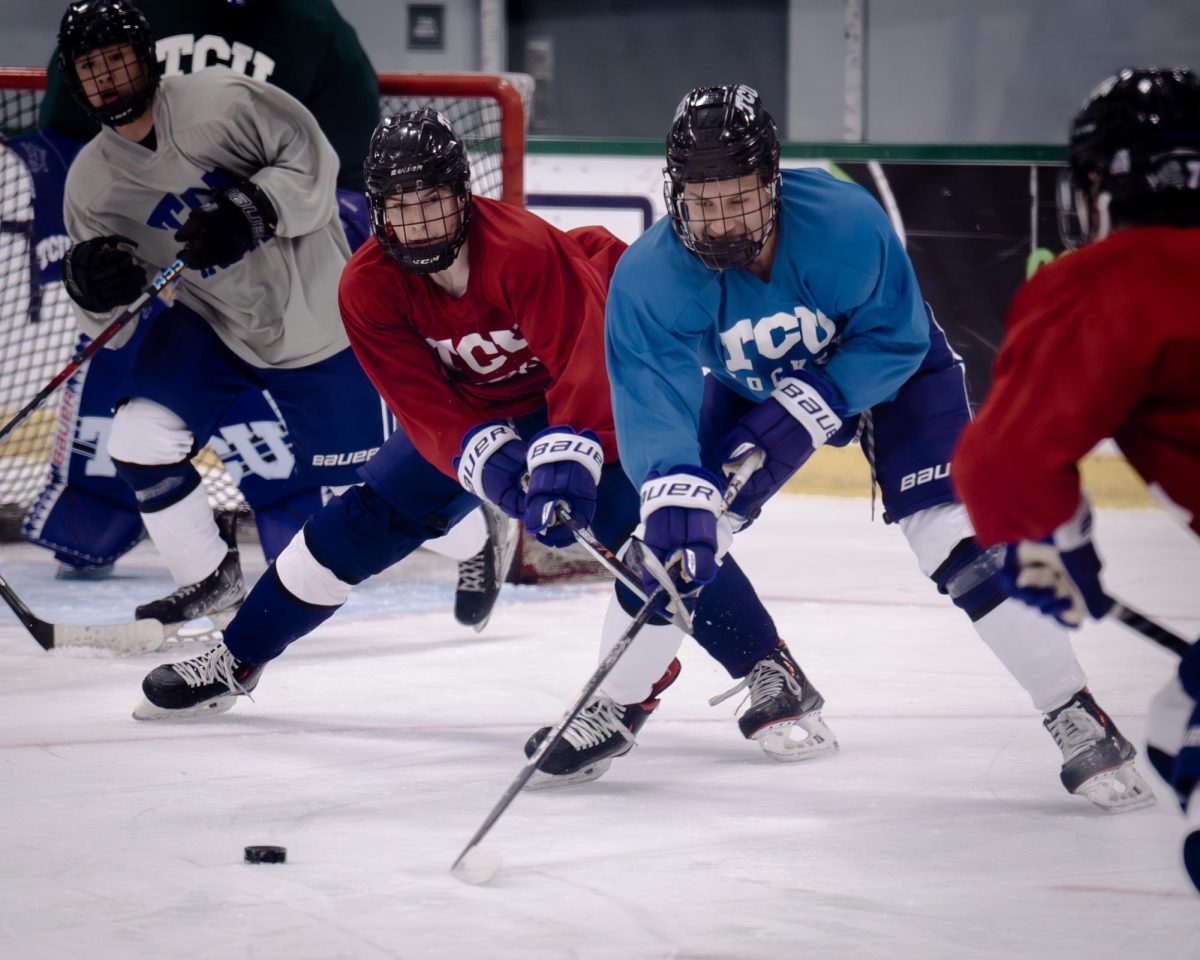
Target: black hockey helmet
<point x="410" y="152"/>
<point x="721" y="133"/>
<point x="92" y="24"/>
<point x="1134" y="155"/>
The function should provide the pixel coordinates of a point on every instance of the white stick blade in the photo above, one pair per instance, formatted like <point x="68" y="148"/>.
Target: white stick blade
<point x="477" y="866"/>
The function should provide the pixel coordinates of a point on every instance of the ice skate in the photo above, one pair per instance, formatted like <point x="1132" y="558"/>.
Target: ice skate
<point x="1097" y="760"/>
<point x="481" y="576"/>
<point x="217" y="596"/>
<point x="204" y="685"/>
<point x="602" y="731"/>
<point x="782" y="701"/>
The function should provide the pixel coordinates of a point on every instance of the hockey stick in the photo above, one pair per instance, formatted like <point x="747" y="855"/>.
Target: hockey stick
<point x="131" y="637"/>
<point x="477" y="865"/>
<point x="156" y="286"/>
<point x="1152" y="631"/>
<point x="680" y="615"/>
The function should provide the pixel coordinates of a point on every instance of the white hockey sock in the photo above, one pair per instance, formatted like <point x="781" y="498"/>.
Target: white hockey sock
<point x="186" y="535"/>
<point x="644" y="661"/>
<point x="1035" y="650"/>
<point x="463" y="540"/>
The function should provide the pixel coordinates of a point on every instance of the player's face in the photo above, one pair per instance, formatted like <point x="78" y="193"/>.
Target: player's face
<point x="734" y="209"/>
<point x="424" y="217"/>
<point x="110" y="74"/>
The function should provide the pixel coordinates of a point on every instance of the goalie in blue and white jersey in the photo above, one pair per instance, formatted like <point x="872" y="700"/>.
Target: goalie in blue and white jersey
<point x="792" y="289"/>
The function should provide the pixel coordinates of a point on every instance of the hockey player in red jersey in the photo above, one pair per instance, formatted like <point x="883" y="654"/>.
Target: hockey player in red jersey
<point x="1121" y="312"/>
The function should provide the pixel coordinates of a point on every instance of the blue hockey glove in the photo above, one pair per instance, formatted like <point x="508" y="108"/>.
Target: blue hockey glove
<point x="1060" y="577"/>
<point x="679" y="511"/>
<point x="564" y="467"/>
<point x="799" y="416"/>
<point x="492" y="466"/>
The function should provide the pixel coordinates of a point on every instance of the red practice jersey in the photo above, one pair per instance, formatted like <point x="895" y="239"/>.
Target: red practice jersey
<point x="528" y="332"/>
<point x="1104" y="342"/>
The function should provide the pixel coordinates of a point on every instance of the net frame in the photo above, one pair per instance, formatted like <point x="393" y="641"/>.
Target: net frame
<point x="488" y="110"/>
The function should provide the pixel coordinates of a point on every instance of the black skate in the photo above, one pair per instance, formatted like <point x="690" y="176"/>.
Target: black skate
<point x="207" y="684"/>
<point x="781" y="700"/>
<point x="480" y="576"/>
<point x="1097" y="760"/>
<point x="602" y="730"/>
<point x="217" y="596"/>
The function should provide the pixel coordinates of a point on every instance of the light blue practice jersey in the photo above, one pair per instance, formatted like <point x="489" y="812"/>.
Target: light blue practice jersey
<point x="842" y="302"/>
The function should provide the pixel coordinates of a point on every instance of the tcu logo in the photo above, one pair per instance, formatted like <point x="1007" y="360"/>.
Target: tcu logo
<point x="210" y="49"/>
<point x="773" y="338"/>
<point x="483" y="354"/>
<point x="743" y="99"/>
<point x="259" y="447"/>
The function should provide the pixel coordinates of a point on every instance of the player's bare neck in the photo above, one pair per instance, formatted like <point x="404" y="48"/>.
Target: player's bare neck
<point x="760" y="266"/>
<point x="138" y="129"/>
<point x="454" y="278"/>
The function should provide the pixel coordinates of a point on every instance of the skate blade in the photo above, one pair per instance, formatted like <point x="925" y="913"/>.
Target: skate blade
<point x="1118" y="791"/>
<point x="209" y="708"/>
<point x="197" y="631"/>
<point x="778" y="743"/>
<point x="548" y="781"/>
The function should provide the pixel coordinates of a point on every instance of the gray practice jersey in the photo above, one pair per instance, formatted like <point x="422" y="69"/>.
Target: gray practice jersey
<point x="277" y="306"/>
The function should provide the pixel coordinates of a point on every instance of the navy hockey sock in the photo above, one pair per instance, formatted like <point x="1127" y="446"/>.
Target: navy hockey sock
<point x="270" y="619"/>
<point x="971" y="577"/>
<point x="731" y="622"/>
<point x="158" y="486"/>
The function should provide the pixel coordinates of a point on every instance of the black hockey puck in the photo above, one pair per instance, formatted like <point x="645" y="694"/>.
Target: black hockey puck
<point x="266" y="854"/>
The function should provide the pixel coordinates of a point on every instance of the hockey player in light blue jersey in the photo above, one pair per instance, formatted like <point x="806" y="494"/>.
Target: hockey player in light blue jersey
<point x="795" y="294"/>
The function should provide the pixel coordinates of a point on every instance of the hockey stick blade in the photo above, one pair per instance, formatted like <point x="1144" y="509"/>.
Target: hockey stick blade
<point x="1149" y="629"/>
<point x="130" y="638"/>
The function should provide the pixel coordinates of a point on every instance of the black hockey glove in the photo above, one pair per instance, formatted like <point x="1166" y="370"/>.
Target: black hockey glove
<point x="223" y="230"/>
<point x="101" y="276"/>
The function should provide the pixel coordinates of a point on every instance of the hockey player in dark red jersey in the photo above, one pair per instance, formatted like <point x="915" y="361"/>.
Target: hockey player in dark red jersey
<point x="1121" y="312"/>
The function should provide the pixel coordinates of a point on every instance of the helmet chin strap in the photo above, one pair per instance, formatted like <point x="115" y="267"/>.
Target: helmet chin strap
<point x="1094" y="220"/>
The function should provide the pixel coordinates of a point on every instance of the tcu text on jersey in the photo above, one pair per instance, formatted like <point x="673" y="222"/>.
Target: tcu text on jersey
<point x="209" y="49"/>
<point x="773" y="338"/>
<point x="483" y="354"/>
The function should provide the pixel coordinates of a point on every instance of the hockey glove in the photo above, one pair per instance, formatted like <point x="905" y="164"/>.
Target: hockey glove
<point x="492" y="466"/>
<point x="100" y="275"/>
<point x="799" y="416"/>
<point x="224" y="230"/>
<point x="679" y="514"/>
<point x="1060" y="576"/>
<point x="564" y="467"/>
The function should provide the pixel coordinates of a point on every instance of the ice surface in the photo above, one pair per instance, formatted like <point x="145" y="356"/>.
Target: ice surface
<point x="375" y="747"/>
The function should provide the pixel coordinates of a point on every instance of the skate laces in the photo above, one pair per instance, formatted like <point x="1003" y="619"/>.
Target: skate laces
<point x="472" y="572"/>
<point x="598" y="721"/>
<point x="1075" y="729"/>
<point x="216" y="665"/>
<point x="766" y="680"/>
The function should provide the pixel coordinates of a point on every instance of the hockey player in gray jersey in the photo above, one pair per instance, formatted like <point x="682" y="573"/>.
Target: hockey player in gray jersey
<point x="234" y="177"/>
